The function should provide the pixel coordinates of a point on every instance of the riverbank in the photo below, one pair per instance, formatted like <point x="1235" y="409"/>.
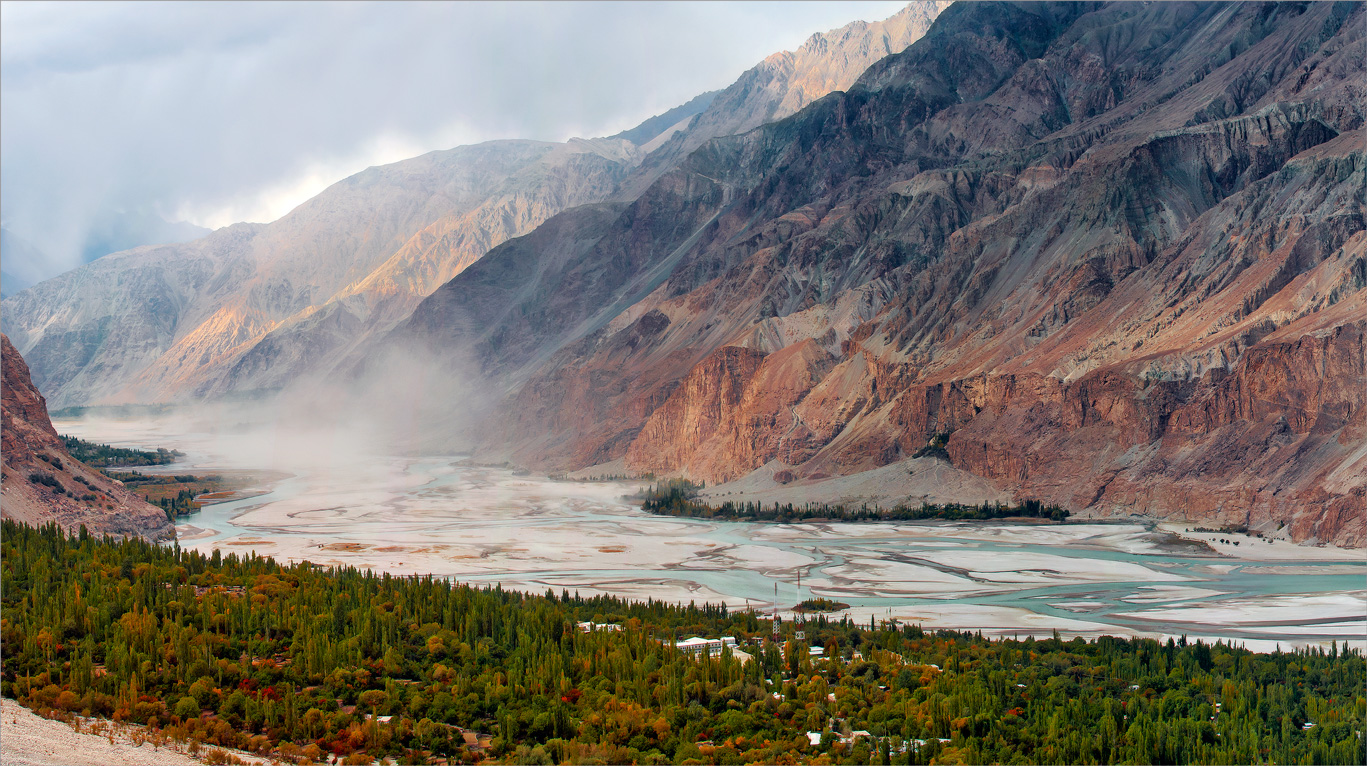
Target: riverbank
<point x="1247" y="547"/>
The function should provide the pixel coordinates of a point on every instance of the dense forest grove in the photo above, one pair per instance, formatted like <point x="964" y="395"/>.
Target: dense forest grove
<point x="679" y="497"/>
<point x="302" y="662"/>
<point x="103" y="455"/>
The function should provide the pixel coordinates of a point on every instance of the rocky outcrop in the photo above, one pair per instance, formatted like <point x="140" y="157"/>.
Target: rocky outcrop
<point x="27" y="427"/>
<point x="1274" y="443"/>
<point x="1115" y="251"/>
<point x="732" y="413"/>
<point x="42" y="483"/>
<point x="682" y="432"/>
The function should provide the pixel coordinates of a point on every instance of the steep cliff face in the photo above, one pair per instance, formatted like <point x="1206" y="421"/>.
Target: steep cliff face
<point x="691" y="422"/>
<point x="1116" y="250"/>
<point x="27" y="427"/>
<point x="732" y="413"/>
<point x="42" y="483"/>
<point x="1276" y="442"/>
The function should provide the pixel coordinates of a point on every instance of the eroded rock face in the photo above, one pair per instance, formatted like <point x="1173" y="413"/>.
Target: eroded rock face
<point x="1118" y="251"/>
<point x="734" y="412"/>
<point x="1271" y="444"/>
<point x="681" y="432"/>
<point x="32" y="449"/>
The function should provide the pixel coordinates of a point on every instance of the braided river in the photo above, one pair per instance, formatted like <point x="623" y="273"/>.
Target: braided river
<point x="450" y="517"/>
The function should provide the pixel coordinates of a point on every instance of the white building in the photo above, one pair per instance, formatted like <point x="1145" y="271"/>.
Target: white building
<point x="711" y="647"/>
<point x="589" y="627"/>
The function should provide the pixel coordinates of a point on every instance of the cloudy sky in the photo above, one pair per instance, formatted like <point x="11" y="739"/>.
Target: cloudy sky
<point x="215" y="113"/>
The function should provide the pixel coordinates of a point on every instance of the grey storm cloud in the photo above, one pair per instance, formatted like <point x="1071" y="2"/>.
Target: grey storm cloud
<point x="219" y="112"/>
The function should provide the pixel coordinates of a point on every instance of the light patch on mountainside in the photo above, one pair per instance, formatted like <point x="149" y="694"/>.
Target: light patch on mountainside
<point x="787" y="81"/>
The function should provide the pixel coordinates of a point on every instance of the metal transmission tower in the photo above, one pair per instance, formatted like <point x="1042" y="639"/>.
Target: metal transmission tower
<point x="798" y="615"/>
<point x="775" y="613"/>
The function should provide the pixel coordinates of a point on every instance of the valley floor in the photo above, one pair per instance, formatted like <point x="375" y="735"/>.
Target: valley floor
<point x="452" y="518"/>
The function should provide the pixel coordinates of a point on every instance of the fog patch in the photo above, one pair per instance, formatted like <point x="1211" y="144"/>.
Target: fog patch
<point x="401" y="402"/>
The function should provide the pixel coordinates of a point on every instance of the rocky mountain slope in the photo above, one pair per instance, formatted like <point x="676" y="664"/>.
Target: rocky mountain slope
<point x="251" y="308"/>
<point x="1116" y="252"/>
<point x="42" y="483"/>
<point x="786" y="82"/>
<point x="251" y="305"/>
<point x="657" y="129"/>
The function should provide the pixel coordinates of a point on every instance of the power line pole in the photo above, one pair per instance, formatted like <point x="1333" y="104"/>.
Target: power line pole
<point x="775" y="612"/>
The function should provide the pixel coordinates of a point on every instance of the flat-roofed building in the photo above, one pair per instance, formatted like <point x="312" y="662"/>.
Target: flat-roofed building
<point x="711" y="647"/>
<point x="589" y="627"/>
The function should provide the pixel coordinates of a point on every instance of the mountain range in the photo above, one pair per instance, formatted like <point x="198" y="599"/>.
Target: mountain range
<point x="1112" y="254"/>
<point x="111" y="232"/>
<point x="1105" y="255"/>
<point x="252" y="308"/>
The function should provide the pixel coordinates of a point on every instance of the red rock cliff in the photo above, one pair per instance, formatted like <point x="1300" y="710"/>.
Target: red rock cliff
<point x="69" y="493"/>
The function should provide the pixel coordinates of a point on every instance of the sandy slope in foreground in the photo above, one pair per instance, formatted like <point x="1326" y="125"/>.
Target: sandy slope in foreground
<point x="30" y="740"/>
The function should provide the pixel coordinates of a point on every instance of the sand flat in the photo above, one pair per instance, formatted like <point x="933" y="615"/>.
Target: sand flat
<point x="1039" y="567"/>
<point x="882" y="576"/>
<point x="1264" y="549"/>
<point x="1285" y="610"/>
<point x="910" y="481"/>
<point x="1170" y="593"/>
